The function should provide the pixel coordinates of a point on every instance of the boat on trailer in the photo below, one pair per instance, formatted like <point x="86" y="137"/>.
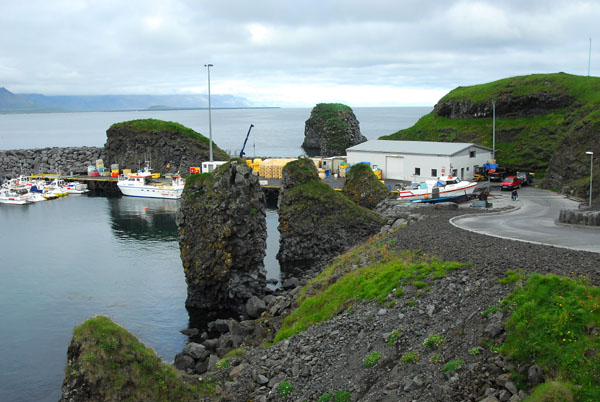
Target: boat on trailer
<point x="444" y="188"/>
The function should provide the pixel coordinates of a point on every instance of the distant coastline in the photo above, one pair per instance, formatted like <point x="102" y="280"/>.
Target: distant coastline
<point x="151" y="109"/>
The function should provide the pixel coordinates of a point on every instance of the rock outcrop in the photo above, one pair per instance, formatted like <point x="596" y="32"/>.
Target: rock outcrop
<point x="315" y="222"/>
<point x="222" y="227"/>
<point x="363" y="187"/>
<point x="331" y="128"/>
<point x="169" y="146"/>
<point x="107" y="363"/>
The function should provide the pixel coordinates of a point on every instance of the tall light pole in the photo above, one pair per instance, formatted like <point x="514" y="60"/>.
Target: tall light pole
<point x="494" y="130"/>
<point x="208" y="66"/>
<point x="591" y="154"/>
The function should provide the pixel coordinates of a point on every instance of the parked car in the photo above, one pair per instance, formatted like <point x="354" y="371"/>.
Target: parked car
<point x="525" y="177"/>
<point x="510" y="183"/>
<point x="500" y="173"/>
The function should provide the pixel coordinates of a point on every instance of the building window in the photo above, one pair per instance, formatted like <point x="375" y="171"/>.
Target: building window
<point x="417" y="171"/>
<point x="471" y="154"/>
<point x="467" y="168"/>
<point x="433" y="172"/>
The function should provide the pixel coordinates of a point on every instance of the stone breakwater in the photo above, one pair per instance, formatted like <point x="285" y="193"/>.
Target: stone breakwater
<point x="49" y="160"/>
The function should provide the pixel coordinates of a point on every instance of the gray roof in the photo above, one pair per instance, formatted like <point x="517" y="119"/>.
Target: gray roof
<point x="414" y="147"/>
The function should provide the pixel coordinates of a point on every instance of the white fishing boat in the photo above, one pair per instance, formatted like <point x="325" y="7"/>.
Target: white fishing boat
<point x="75" y="187"/>
<point x="8" y="196"/>
<point x="142" y="184"/>
<point x="445" y="188"/>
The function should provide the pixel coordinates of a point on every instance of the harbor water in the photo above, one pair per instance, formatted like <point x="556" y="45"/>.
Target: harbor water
<point x="66" y="260"/>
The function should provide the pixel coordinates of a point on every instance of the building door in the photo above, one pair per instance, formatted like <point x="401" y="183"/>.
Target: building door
<point x="394" y="168"/>
<point x="462" y="173"/>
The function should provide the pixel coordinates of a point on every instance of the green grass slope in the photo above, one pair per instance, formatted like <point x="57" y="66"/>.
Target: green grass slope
<point x="535" y="114"/>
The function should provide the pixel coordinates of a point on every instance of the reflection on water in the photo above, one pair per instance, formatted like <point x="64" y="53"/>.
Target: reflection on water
<point x="150" y="219"/>
<point x="144" y="218"/>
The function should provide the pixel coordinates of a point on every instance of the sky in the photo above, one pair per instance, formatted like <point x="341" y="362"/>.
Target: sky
<point x="291" y="53"/>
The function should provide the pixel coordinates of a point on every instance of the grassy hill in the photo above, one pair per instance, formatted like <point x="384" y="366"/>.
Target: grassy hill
<point x="537" y="117"/>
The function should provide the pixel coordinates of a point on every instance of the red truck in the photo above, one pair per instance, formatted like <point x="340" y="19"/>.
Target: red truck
<point x="500" y="173"/>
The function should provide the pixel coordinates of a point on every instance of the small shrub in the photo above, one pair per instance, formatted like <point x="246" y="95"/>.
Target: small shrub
<point x="474" y="351"/>
<point x="285" y="388"/>
<point x="372" y="359"/>
<point x="410" y="357"/>
<point x="325" y="397"/>
<point x="436" y="358"/>
<point x="411" y="303"/>
<point x="512" y="276"/>
<point x="420" y="284"/>
<point x="342" y="396"/>
<point x="489" y="310"/>
<point x="223" y="364"/>
<point x="393" y="338"/>
<point x="452" y="365"/>
<point x="434" y="341"/>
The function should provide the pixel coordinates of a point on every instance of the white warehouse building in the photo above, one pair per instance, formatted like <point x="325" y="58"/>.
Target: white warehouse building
<point x="420" y="160"/>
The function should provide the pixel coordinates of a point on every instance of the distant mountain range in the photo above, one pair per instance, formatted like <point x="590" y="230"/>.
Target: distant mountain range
<point x="38" y="103"/>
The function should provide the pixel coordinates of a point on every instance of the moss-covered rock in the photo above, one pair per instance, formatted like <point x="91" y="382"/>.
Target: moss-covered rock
<point x="107" y="363"/>
<point x="316" y="223"/>
<point x="331" y="128"/>
<point x="169" y="146"/>
<point x="222" y="228"/>
<point x="363" y="187"/>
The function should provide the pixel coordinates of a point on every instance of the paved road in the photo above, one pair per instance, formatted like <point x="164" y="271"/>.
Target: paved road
<point x="534" y="221"/>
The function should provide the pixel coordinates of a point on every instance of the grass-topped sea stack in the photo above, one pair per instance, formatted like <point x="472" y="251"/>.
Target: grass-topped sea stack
<point x="107" y="363"/>
<point x="222" y="228"/>
<point x="316" y="223"/>
<point x="544" y="123"/>
<point x="331" y="128"/>
<point x="363" y="187"/>
<point x="169" y="146"/>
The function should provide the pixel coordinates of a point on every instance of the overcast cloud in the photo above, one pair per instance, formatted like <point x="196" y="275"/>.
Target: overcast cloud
<point x="290" y="53"/>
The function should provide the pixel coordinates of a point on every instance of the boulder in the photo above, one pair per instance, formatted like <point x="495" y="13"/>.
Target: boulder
<point x="255" y="306"/>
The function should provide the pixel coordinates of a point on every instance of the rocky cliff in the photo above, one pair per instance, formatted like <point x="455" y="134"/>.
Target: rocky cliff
<point x="222" y="227"/>
<point x="168" y="146"/>
<point x="544" y="124"/>
<point x="331" y="128"/>
<point x="363" y="187"/>
<point x="315" y="222"/>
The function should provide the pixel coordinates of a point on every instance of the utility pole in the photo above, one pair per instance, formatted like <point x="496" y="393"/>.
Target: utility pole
<point x="208" y="66"/>
<point x="590" y="57"/>
<point x="494" y="130"/>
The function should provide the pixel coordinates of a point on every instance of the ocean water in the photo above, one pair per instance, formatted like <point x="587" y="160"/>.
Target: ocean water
<point x="66" y="260"/>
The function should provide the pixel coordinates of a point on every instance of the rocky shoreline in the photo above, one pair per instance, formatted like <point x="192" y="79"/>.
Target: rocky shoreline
<point x="328" y="357"/>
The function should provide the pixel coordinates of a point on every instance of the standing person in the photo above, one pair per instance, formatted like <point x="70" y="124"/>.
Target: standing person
<point x="514" y="195"/>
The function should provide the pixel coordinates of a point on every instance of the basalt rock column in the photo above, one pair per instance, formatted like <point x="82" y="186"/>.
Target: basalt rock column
<point x="316" y="223"/>
<point x="222" y="228"/>
<point x="331" y="128"/>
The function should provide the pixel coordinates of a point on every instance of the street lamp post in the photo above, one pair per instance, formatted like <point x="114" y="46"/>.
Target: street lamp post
<point x="591" y="154"/>
<point x="208" y="66"/>
<point x="494" y="130"/>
